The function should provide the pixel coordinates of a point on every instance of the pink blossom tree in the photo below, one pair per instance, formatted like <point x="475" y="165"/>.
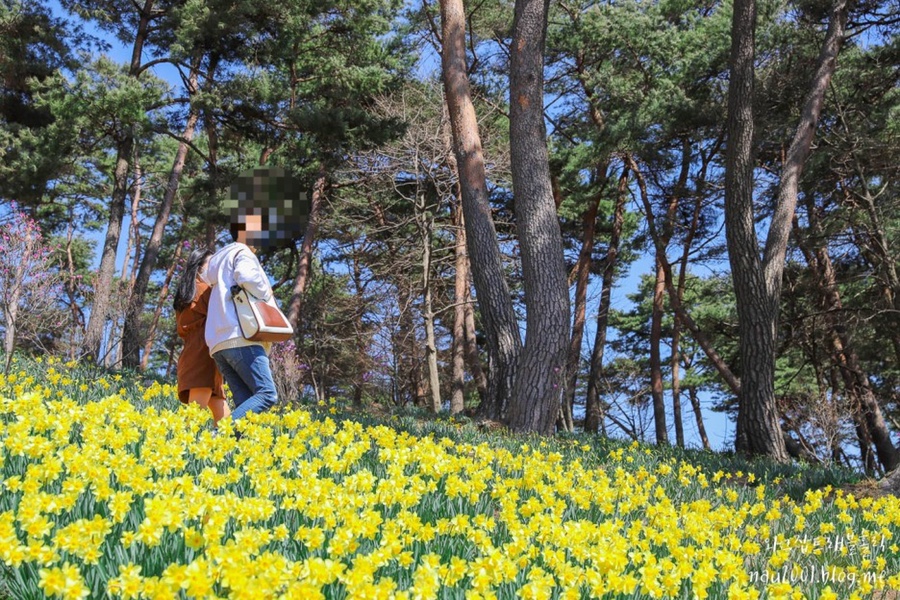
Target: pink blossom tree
<point x="29" y="284"/>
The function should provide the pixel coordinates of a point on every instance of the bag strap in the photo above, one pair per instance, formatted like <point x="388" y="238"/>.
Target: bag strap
<point x="233" y="268"/>
<point x="236" y="287"/>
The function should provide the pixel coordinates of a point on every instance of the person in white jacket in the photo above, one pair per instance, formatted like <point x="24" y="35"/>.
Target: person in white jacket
<point x="244" y="364"/>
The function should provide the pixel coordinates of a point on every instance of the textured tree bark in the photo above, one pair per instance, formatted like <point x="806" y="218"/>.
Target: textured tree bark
<point x="492" y="291"/>
<point x="758" y="283"/>
<point x="133" y="242"/>
<point x="758" y="430"/>
<point x="464" y="346"/>
<point x="133" y="335"/>
<point x="582" y="276"/>
<point x="134" y="229"/>
<point x="306" y="248"/>
<point x="103" y="284"/>
<point x="537" y="388"/>
<point x="593" y="411"/>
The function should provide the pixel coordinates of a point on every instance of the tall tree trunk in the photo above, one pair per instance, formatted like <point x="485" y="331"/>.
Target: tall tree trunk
<point x="71" y="288"/>
<point x="296" y="303"/>
<point x="676" y="319"/>
<point x="465" y="348"/>
<point x="461" y="283"/>
<point x="536" y="392"/>
<point x="856" y="383"/>
<point x="134" y="229"/>
<point x="758" y="428"/>
<point x="663" y="272"/>
<point x="407" y="350"/>
<point x="758" y="283"/>
<point x="492" y="291"/>
<point x="426" y="225"/>
<point x="656" y="376"/>
<point x="134" y="335"/>
<point x="593" y="410"/>
<point x="103" y="283"/>
<point x="582" y="277"/>
<point x="687" y="159"/>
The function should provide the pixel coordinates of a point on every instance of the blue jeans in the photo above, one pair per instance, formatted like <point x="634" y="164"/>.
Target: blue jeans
<point x="247" y="373"/>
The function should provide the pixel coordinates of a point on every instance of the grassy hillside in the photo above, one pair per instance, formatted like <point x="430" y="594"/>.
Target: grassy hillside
<point x="112" y="489"/>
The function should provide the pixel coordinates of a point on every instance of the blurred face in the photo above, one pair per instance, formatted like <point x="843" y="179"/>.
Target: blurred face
<point x="252" y="224"/>
<point x="267" y="207"/>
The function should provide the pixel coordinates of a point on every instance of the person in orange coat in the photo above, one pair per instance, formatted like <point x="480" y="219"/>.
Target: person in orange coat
<point x="199" y="379"/>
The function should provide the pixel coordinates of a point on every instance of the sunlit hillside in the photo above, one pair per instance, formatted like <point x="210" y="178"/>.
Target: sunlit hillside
<point x="113" y="489"/>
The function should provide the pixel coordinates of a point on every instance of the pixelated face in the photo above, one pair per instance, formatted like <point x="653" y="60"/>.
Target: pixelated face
<point x="268" y="203"/>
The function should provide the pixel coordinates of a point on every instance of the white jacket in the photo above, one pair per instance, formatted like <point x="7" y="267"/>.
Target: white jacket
<point x="233" y="264"/>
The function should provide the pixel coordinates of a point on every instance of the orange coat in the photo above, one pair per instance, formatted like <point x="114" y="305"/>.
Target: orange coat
<point x="196" y="368"/>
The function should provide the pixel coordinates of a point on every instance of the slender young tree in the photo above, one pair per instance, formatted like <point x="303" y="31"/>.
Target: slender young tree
<point x="594" y="417"/>
<point x="582" y="275"/>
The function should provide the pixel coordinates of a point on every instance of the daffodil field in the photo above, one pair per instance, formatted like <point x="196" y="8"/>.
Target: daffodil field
<point x="116" y="491"/>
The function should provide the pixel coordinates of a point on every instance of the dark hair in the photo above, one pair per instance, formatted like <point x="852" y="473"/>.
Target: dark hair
<point x="187" y="285"/>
